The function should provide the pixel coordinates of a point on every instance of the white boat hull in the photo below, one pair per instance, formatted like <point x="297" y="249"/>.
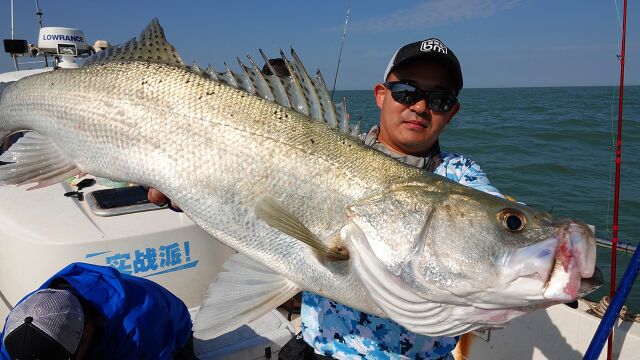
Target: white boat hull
<point x="558" y="332"/>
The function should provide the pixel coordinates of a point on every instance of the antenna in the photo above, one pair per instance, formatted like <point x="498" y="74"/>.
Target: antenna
<point x="39" y="13"/>
<point x="15" y="59"/>
<point x="12" y="20"/>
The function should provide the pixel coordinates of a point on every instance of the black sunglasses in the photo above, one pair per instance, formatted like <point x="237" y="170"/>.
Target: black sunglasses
<point x="408" y="94"/>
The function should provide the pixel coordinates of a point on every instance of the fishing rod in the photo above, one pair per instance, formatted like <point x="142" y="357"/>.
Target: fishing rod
<point x="616" y="196"/>
<point x="344" y="35"/>
<point x="606" y="326"/>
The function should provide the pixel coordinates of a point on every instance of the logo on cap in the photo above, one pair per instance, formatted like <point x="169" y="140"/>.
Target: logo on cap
<point x="433" y="45"/>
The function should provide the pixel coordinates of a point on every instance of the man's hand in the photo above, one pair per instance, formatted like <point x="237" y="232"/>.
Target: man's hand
<point x="160" y="199"/>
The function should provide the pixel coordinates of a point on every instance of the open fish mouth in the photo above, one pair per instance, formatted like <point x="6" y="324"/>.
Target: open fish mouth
<point x="575" y="260"/>
<point x="554" y="267"/>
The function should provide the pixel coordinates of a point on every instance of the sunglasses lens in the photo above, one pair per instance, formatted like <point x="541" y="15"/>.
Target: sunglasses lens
<point x="439" y="101"/>
<point x="405" y="93"/>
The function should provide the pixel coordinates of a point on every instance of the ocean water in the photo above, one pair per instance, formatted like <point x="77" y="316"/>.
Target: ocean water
<point x="552" y="148"/>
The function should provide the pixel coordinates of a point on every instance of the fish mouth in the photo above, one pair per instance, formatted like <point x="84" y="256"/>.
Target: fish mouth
<point x="555" y="268"/>
<point x="575" y="260"/>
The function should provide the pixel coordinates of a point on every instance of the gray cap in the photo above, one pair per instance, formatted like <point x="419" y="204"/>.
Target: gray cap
<point x="49" y="316"/>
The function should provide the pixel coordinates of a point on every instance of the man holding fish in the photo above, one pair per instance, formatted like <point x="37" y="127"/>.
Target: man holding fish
<point x="308" y="206"/>
<point x="417" y="100"/>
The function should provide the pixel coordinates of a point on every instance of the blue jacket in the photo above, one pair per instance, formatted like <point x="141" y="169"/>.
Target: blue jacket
<point x="141" y="318"/>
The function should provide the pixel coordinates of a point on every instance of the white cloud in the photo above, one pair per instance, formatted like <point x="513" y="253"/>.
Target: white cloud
<point x="433" y="13"/>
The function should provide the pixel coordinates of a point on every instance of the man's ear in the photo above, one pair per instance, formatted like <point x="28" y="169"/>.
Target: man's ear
<point x="378" y="92"/>
<point x="453" y="112"/>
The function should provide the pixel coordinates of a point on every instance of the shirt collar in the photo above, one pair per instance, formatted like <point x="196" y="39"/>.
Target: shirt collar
<point x="428" y="162"/>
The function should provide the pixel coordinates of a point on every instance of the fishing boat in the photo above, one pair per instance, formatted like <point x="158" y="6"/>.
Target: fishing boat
<point x="103" y="222"/>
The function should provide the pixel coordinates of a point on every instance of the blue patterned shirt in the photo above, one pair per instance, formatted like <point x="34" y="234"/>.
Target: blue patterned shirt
<point x="339" y="331"/>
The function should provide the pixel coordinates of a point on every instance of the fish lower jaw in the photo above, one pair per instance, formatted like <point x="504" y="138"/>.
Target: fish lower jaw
<point x="525" y="271"/>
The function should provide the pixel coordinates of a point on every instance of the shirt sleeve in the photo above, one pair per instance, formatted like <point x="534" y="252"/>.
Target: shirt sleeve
<point x="466" y="172"/>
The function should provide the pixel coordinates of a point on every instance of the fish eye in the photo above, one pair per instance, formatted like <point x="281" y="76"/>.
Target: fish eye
<point x="512" y="219"/>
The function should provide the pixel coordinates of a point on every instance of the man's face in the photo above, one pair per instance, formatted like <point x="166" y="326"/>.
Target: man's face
<point x="413" y="129"/>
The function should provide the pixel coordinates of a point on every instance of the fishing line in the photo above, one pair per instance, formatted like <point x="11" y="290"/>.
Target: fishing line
<point x="344" y="35"/>
<point x="615" y="2"/>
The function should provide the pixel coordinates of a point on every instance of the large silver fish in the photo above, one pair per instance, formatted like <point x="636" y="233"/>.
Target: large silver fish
<point x="306" y="205"/>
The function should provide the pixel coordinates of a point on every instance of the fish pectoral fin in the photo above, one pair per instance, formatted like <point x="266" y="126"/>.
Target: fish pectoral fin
<point x="274" y="214"/>
<point x="240" y="295"/>
<point x="35" y="158"/>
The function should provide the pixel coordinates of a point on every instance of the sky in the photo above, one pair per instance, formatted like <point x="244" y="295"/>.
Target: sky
<point x="500" y="43"/>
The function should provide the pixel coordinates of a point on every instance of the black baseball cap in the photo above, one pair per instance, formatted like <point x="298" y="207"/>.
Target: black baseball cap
<point x="46" y="325"/>
<point x="427" y="49"/>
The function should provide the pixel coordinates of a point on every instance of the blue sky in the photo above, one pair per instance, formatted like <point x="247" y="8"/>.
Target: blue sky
<point x="500" y="43"/>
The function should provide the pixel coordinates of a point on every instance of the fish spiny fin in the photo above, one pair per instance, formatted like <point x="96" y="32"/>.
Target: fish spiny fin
<point x="229" y="77"/>
<point x="35" y="158"/>
<point x="328" y="107"/>
<point x="274" y="214"/>
<point x="308" y="87"/>
<point x="211" y="73"/>
<point x="276" y="85"/>
<point x="294" y="89"/>
<point x="243" y="293"/>
<point x="258" y="80"/>
<point x="345" y="120"/>
<point x="297" y="90"/>
<point x="151" y="46"/>
<point x="247" y="79"/>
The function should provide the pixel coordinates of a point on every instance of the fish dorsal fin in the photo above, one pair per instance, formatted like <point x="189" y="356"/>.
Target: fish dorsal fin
<point x="308" y="87"/>
<point x="328" y="108"/>
<point x="151" y="46"/>
<point x="260" y="84"/>
<point x="276" y="85"/>
<point x="296" y="90"/>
